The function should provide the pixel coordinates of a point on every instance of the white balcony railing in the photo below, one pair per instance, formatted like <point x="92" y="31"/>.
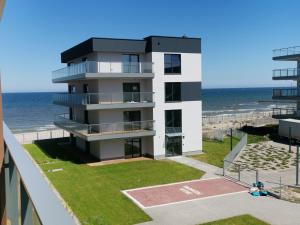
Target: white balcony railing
<point x="103" y="98"/>
<point x="294" y="50"/>
<point x="102" y="67"/>
<point x="103" y="128"/>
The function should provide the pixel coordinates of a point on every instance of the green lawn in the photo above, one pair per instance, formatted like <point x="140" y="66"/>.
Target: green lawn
<point x="215" y="151"/>
<point x="93" y="193"/>
<point x="238" y="220"/>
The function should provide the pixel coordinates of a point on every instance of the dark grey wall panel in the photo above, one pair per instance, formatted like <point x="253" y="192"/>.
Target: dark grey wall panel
<point x="191" y="91"/>
<point x="173" y="44"/>
<point x="79" y="50"/>
<point x="148" y="44"/>
<point x="119" y="45"/>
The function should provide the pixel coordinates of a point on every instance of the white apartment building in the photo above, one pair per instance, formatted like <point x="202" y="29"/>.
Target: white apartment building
<point x="130" y="98"/>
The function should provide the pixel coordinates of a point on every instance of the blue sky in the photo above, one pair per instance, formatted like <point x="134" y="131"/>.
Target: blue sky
<point x="237" y="36"/>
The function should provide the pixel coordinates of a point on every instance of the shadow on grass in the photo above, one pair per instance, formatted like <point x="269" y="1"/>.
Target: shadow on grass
<point x="60" y="148"/>
<point x="267" y="132"/>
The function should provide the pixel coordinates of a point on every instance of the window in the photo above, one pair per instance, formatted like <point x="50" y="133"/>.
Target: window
<point x="173" y="121"/>
<point x="131" y="63"/>
<point x="173" y="92"/>
<point x="172" y="64"/>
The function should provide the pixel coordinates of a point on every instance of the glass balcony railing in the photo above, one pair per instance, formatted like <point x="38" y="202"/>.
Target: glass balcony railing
<point x="288" y="72"/>
<point x="286" y="51"/>
<point x="64" y="122"/>
<point x="102" y="67"/>
<point x="30" y="199"/>
<point x="171" y="130"/>
<point x="284" y="112"/>
<point x="102" y="98"/>
<point x="286" y="92"/>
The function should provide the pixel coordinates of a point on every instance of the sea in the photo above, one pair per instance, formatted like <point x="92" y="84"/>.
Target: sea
<point x="35" y="111"/>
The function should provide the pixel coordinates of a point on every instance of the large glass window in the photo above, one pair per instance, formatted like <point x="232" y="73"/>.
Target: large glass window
<point x="172" y="91"/>
<point x="131" y="63"/>
<point x="173" y="121"/>
<point x="172" y="64"/>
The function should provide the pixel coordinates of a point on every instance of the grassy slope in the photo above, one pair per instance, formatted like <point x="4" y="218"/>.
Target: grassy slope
<point x="94" y="194"/>
<point x="215" y="151"/>
<point x="238" y="220"/>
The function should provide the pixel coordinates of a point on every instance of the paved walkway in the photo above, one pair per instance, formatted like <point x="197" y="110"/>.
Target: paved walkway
<point x="210" y="170"/>
<point x="271" y="210"/>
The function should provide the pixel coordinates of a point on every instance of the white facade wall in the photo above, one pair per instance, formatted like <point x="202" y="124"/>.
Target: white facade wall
<point x="191" y="110"/>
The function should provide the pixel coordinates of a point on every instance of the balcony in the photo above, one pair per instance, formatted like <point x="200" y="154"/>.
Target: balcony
<point x="284" y="113"/>
<point x="286" y="74"/>
<point x="286" y="93"/>
<point x="116" y="100"/>
<point x="98" y="70"/>
<point x="105" y="131"/>
<point x="30" y="199"/>
<point x="288" y="54"/>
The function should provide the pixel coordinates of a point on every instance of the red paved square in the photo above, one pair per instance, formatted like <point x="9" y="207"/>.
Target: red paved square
<point x="171" y="193"/>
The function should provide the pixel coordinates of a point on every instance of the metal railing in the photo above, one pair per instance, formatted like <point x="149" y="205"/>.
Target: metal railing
<point x="103" y="128"/>
<point x="102" y="67"/>
<point x="103" y="98"/>
<point x="284" y="111"/>
<point x="29" y="197"/>
<point x="286" y="92"/>
<point x="288" y="72"/>
<point x="294" y="50"/>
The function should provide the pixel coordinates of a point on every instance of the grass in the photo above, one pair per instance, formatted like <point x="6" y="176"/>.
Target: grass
<point x="94" y="193"/>
<point x="215" y="151"/>
<point x="238" y="220"/>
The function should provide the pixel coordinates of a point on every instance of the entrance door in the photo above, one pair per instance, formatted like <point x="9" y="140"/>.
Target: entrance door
<point x="173" y="146"/>
<point x="133" y="148"/>
<point x="131" y="92"/>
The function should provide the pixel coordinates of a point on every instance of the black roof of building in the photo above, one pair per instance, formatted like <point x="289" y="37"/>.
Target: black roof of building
<point x="148" y="44"/>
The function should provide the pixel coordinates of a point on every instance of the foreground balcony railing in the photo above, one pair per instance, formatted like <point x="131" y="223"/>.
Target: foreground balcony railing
<point x="102" y="67"/>
<point x="285" y="73"/>
<point x="64" y="122"/>
<point x="286" y="93"/>
<point x="29" y="197"/>
<point x="286" y="51"/>
<point x="284" y="112"/>
<point x="103" y="98"/>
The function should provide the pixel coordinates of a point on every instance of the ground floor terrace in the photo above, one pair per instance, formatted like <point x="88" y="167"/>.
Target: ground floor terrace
<point x="124" y="148"/>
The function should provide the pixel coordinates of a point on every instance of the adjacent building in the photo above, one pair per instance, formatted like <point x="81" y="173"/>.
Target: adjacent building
<point x="129" y="98"/>
<point x="289" y="117"/>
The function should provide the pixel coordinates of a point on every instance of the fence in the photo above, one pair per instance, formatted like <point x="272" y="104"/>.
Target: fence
<point x="31" y="136"/>
<point x="234" y="117"/>
<point x="237" y="148"/>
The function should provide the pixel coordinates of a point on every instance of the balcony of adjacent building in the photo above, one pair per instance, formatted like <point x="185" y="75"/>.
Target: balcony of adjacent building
<point x="286" y="94"/>
<point x="284" y="113"/>
<point x="99" y="70"/>
<point x="286" y="74"/>
<point x="95" y="101"/>
<point x="105" y="131"/>
<point x="287" y="54"/>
